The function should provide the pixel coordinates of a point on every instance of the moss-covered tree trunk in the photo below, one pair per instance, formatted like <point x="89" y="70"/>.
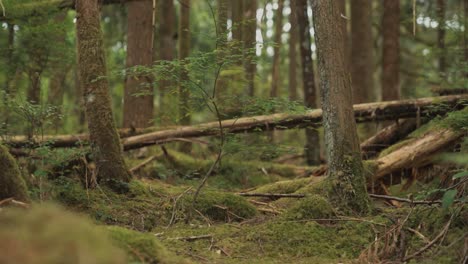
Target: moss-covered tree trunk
<point x="312" y="147"/>
<point x="138" y="94"/>
<point x="346" y="174"/>
<point x="107" y="151"/>
<point x="11" y="183"/>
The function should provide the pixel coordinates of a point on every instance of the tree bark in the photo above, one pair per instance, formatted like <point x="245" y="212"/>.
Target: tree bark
<point x="12" y="184"/>
<point x="167" y="48"/>
<point x="184" y="52"/>
<point x="293" y="35"/>
<point x="275" y="76"/>
<point x="249" y="34"/>
<point x="312" y="147"/>
<point x="237" y="18"/>
<point x="344" y="22"/>
<point x="346" y="174"/>
<point x="362" y="48"/>
<point x="138" y="104"/>
<point x="441" y="38"/>
<point x="391" y="50"/>
<point x="104" y="139"/>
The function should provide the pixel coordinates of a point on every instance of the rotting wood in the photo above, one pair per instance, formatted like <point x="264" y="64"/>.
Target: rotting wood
<point x="387" y="137"/>
<point x="367" y="112"/>
<point x="417" y="152"/>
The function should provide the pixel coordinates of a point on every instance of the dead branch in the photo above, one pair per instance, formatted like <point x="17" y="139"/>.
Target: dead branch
<point x="192" y="238"/>
<point x="272" y="195"/>
<point x="404" y="200"/>
<point x="426" y="247"/>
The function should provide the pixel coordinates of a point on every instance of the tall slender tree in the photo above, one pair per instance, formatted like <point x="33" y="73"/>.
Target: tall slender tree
<point x="292" y="83"/>
<point x="465" y="36"/>
<point x="391" y="50"/>
<point x="362" y="69"/>
<point x="167" y="31"/>
<point x="237" y="8"/>
<point x="138" y="95"/>
<point x="346" y="175"/>
<point x="105" y="142"/>
<point x="312" y="147"/>
<point x="249" y="33"/>
<point x="275" y="76"/>
<point x="441" y="38"/>
<point x="184" y="52"/>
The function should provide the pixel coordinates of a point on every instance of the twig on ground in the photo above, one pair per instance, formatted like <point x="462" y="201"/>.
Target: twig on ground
<point x="192" y="238"/>
<point x="429" y="245"/>
<point x="405" y="200"/>
<point x="273" y="195"/>
<point x="174" y="208"/>
<point x="142" y="164"/>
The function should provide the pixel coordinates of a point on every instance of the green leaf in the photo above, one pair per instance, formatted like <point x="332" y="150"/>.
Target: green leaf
<point x="460" y="175"/>
<point x="449" y="197"/>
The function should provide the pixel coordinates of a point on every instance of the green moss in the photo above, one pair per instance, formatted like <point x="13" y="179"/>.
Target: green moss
<point x="289" y="186"/>
<point x="312" y="207"/>
<point x="148" y="204"/>
<point x="142" y="248"/>
<point x="11" y="182"/>
<point x="48" y="234"/>
<point x="221" y="206"/>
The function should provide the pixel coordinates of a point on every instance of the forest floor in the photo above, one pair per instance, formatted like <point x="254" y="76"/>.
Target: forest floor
<point x="149" y="222"/>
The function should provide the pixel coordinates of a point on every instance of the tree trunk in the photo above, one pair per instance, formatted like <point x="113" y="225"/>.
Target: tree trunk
<point x="275" y="76"/>
<point x="391" y="50"/>
<point x="167" y="48"/>
<point x="184" y="52"/>
<point x="237" y="18"/>
<point x="312" y="147"/>
<point x="11" y="183"/>
<point x="362" y="48"/>
<point x="104" y="139"/>
<point x="249" y="35"/>
<point x="346" y="44"/>
<point x="138" y="96"/>
<point x="292" y="84"/>
<point x="465" y="36"/>
<point x="10" y="73"/>
<point x="346" y="173"/>
<point x="441" y="38"/>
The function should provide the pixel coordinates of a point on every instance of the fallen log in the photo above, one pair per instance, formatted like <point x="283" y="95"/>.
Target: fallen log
<point x="388" y="136"/>
<point x="417" y="152"/>
<point x="390" y="110"/>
